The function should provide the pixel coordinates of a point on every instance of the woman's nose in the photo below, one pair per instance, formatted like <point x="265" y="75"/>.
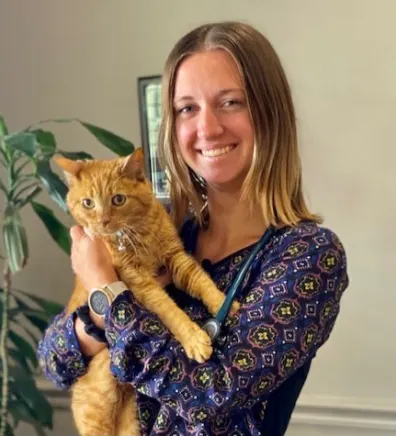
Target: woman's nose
<point x="209" y="124"/>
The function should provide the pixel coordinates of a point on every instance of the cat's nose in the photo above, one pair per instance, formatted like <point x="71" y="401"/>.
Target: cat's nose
<point x="104" y="221"/>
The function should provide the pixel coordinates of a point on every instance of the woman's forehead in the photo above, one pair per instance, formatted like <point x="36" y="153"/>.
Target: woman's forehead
<point x="209" y="69"/>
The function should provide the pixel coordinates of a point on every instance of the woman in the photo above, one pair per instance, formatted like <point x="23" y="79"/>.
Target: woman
<point x="228" y="139"/>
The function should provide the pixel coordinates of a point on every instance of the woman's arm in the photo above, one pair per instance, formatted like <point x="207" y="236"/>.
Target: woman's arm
<point x="65" y="348"/>
<point x="284" y="319"/>
<point x="59" y="353"/>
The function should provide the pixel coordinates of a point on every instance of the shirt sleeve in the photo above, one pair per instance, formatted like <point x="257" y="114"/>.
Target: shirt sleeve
<point x="286" y="315"/>
<point x="59" y="354"/>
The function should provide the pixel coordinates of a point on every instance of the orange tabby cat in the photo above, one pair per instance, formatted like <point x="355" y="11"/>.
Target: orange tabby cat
<point x="120" y="198"/>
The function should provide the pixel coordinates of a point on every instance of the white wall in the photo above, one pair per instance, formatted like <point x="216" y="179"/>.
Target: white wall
<point x="82" y="58"/>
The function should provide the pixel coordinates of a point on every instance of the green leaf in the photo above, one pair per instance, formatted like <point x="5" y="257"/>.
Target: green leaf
<point x="19" y="358"/>
<point x="28" y="199"/>
<point x="12" y="408"/>
<point x="50" y="307"/>
<point x="3" y="126"/>
<point x="35" y="340"/>
<point x="54" y="185"/>
<point x="2" y="187"/>
<point x="39" y="321"/>
<point x="23" y="165"/>
<point x="28" y="312"/>
<point x="39" y="430"/>
<point x="15" y="239"/>
<point x="46" y="141"/>
<point x="24" y="387"/>
<point x="23" y="345"/>
<point x="115" y="143"/>
<point x="58" y="231"/>
<point x="22" y="141"/>
<point x="20" y="412"/>
<point x="78" y="155"/>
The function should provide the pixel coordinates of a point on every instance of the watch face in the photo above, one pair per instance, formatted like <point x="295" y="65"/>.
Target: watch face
<point x="99" y="302"/>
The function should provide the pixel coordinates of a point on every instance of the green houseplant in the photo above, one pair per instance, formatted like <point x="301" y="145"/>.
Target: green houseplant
<point x="25" y="157"/>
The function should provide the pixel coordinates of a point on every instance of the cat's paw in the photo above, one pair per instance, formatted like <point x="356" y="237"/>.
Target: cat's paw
<point x="235" y="307"/>
<point x="198" y="345"/>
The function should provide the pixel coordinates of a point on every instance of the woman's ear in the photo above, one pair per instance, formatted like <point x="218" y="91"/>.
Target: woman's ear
<point x="70" y="167"/>
<point x="133" y="165"/>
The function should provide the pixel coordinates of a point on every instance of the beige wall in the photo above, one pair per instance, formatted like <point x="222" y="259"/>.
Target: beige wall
<point x="82" y="58"/>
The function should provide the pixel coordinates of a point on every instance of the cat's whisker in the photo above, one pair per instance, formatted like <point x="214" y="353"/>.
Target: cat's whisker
<point x="128" y="238"/>
<point x="139" y="242"/>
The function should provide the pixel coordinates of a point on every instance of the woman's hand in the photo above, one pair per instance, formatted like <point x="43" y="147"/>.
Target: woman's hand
<point x="91" y="261"/>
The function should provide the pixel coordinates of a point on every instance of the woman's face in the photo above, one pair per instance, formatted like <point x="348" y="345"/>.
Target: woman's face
<point x="213" y="126"/>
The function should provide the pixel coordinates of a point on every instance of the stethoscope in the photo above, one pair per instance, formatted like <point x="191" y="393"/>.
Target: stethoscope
<point x="213" y="326"/>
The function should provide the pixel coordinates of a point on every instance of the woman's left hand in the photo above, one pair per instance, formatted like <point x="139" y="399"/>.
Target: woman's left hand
<point x="91" y="260"/>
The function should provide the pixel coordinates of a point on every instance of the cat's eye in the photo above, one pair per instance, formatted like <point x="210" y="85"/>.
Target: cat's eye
<point x="118" y="200"/>
<point x="88" y="203"/>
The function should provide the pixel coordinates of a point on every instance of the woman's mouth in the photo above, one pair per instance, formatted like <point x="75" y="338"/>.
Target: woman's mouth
<point x="216" y="152"/>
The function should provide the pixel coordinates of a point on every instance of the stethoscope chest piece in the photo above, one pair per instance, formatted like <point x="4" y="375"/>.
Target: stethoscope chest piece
<point x="212" y="328"/>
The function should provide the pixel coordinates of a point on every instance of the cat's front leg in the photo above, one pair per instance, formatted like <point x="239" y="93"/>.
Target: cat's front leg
<point x="189" y="276"/>
<point x="195" y="341"/>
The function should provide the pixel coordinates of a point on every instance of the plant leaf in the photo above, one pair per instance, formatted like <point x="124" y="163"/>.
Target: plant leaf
<point x="58" y="231"/>
<point x="18" y="358"/>
<point x="22" y="141"/>
<point x="3" y="126"/>
<point x="15" y="239"/>
<point x="39" y="430"/>
<point x="24" y="387"/>
<point x="115" y="143"/>
<point x="54" y="185"/>
<point x="77" y="155"/>
<point x="50" y="307"/>
<point x="30" y="333"/>
<point x="2" y="187"/>
<point x="46" y="141"/>
<point x="38" y="320"/>
<point x="28" y="199"/>
<point x="36" y="313"/>
<point x="23" y="345"/>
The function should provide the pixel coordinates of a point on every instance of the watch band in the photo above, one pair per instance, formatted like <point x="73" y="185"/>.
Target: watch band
<point x="114" y="289"/>
<point x="89" y="327"/>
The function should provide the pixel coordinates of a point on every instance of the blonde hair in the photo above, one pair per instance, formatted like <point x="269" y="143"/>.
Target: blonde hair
<point x="274" y="179"/>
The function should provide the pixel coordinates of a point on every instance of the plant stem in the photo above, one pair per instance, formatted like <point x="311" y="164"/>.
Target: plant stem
<point x="3" y="349"/>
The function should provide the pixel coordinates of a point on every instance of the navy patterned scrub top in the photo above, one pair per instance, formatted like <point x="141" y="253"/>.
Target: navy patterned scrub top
<point x="289" y="303"/>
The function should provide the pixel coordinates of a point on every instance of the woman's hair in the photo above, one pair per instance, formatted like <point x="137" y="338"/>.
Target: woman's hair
<point x="274" y="178"/>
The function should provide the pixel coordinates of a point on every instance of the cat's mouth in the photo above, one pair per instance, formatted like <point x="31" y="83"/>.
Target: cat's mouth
<point x="104" y="232"/>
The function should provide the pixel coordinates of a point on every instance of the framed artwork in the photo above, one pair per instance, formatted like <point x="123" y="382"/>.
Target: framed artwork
<point x="149" y="92"/>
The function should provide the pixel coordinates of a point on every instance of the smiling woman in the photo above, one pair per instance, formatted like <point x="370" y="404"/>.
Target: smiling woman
<point x="226" y="93"/>
<point x="214" y="129"/>
<point x="228" y="140"/>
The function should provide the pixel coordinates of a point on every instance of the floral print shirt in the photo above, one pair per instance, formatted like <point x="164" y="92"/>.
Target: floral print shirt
<point x="289" y="303"/>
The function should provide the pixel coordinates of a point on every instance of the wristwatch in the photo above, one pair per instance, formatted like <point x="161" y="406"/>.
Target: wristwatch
<point x="99" y="299"/>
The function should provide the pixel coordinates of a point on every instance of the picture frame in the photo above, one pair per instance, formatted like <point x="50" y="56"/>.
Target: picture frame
<point x="149" y="95"/>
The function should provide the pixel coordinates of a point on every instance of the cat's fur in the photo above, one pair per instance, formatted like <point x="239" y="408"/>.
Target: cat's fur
<point x="101" y="405"/>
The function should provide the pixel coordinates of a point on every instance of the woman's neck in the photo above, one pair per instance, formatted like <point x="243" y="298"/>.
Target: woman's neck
<point x="233" y="225"/>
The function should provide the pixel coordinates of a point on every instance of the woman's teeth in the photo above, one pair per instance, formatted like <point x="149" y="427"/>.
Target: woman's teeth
<point x="217" y="151"/>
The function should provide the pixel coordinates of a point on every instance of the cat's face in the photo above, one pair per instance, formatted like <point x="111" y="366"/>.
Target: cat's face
<point x="108" y="196"/>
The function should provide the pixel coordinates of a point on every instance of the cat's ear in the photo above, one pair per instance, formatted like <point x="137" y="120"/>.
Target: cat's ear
<point x="133" y="165"/>
<point x="70" y="167"/>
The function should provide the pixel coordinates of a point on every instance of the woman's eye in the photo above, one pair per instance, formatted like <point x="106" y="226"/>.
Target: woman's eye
<point x="230" y="103"/>
<point x="184" y="110"/>
<point x="118" y="200"/>
<point x="88" y="203"/>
